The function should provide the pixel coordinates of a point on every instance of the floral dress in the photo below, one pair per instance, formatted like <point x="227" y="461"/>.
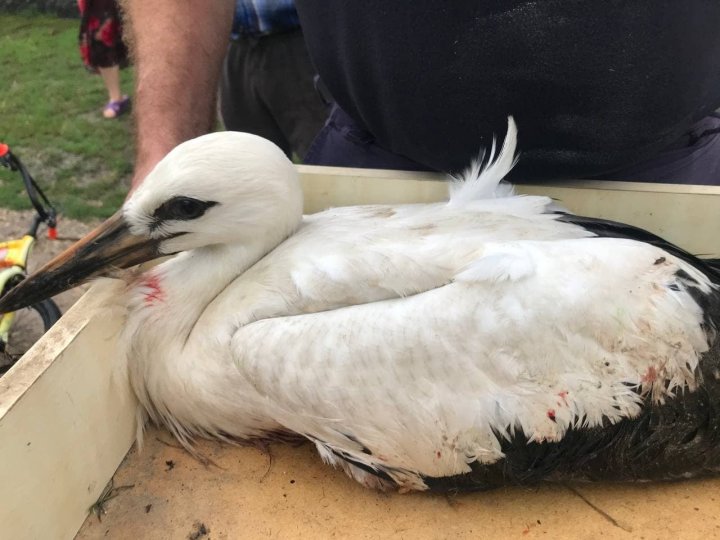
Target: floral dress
<point x="101" y="43"/>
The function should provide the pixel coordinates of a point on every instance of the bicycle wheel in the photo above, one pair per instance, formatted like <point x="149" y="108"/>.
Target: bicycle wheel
<point x="29" y="326"/>
<point x="49" y="312"/>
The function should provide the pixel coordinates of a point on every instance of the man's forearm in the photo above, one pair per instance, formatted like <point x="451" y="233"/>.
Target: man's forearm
<point x="178" y="47"/>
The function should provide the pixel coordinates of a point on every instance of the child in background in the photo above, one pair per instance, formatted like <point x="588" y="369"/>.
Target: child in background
<point x="103" y="51"/>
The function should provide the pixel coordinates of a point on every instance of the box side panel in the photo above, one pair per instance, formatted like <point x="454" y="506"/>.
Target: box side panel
<point x="690" y="220"/>
<point x="64" y="437"/>
<point x="686" y="215"/>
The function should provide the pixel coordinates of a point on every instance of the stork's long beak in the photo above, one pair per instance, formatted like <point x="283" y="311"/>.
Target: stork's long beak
<point x="108" y="247"/>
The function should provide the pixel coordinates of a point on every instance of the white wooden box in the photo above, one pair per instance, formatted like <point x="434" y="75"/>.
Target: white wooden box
<point x="66" y="425"/>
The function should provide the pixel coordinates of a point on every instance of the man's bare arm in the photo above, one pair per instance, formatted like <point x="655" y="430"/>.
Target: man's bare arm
<point x="178" y="47"/>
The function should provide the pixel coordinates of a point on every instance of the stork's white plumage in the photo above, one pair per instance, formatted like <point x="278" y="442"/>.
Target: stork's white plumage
<point x="454" y="345"/>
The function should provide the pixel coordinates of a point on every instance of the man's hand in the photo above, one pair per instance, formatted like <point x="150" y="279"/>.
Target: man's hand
<point x="177" y="47"/>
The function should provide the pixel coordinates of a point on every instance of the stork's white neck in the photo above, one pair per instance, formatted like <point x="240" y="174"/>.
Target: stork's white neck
<point x="175" y="360"/>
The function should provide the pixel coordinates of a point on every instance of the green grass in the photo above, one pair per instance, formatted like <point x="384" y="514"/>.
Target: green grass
<point x="50" y="115"/>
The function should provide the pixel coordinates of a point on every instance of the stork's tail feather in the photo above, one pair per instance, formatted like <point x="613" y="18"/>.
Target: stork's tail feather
<point x="477" y="182"/>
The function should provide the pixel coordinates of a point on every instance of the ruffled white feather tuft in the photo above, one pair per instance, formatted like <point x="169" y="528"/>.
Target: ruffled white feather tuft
<point x="477" y="182"/>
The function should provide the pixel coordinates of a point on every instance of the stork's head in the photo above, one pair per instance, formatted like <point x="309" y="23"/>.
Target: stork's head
<point x="220" y="188"/>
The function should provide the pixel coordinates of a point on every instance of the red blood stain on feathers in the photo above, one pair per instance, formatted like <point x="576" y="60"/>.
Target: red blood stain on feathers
<point x="551" y="414"/>
<point x="563" y="395"/>
<point x="155" y="293"/>
<point x="650" y="375"/>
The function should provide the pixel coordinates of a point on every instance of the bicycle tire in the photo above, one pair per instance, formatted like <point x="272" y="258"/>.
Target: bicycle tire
<point x="49" y="312"/>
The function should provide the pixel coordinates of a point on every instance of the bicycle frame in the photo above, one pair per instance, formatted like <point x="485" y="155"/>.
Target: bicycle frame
<point x="14" y="253"/>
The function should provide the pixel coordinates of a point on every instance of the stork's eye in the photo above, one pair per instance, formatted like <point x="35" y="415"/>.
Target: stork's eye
<point x="181" y="208"/>
<point x="186" y="208"/>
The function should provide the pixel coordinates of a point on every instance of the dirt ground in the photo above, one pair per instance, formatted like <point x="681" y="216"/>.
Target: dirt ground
<point x="28" y="327"/>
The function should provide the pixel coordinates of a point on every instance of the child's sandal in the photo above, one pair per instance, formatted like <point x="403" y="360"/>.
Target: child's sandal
<point x="117" y="108"/>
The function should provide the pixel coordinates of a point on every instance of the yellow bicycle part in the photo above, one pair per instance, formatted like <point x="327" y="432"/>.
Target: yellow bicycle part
<point x="6" y="323"/>
<point x="13" y="258"/>
<point x="15" y="252"/>
<point x="7" y="319"/>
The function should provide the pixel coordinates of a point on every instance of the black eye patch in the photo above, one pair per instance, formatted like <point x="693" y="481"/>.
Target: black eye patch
<point x="181" y="209"/>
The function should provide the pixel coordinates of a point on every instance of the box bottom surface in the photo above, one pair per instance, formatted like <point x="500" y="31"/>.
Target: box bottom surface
<point x="287" y="492"/>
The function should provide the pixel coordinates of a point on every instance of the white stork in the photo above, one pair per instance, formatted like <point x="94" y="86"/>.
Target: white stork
<point x="463" y="345"/>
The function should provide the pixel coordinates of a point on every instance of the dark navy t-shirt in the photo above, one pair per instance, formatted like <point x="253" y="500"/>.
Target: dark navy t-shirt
<point x="594" y="85"/>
